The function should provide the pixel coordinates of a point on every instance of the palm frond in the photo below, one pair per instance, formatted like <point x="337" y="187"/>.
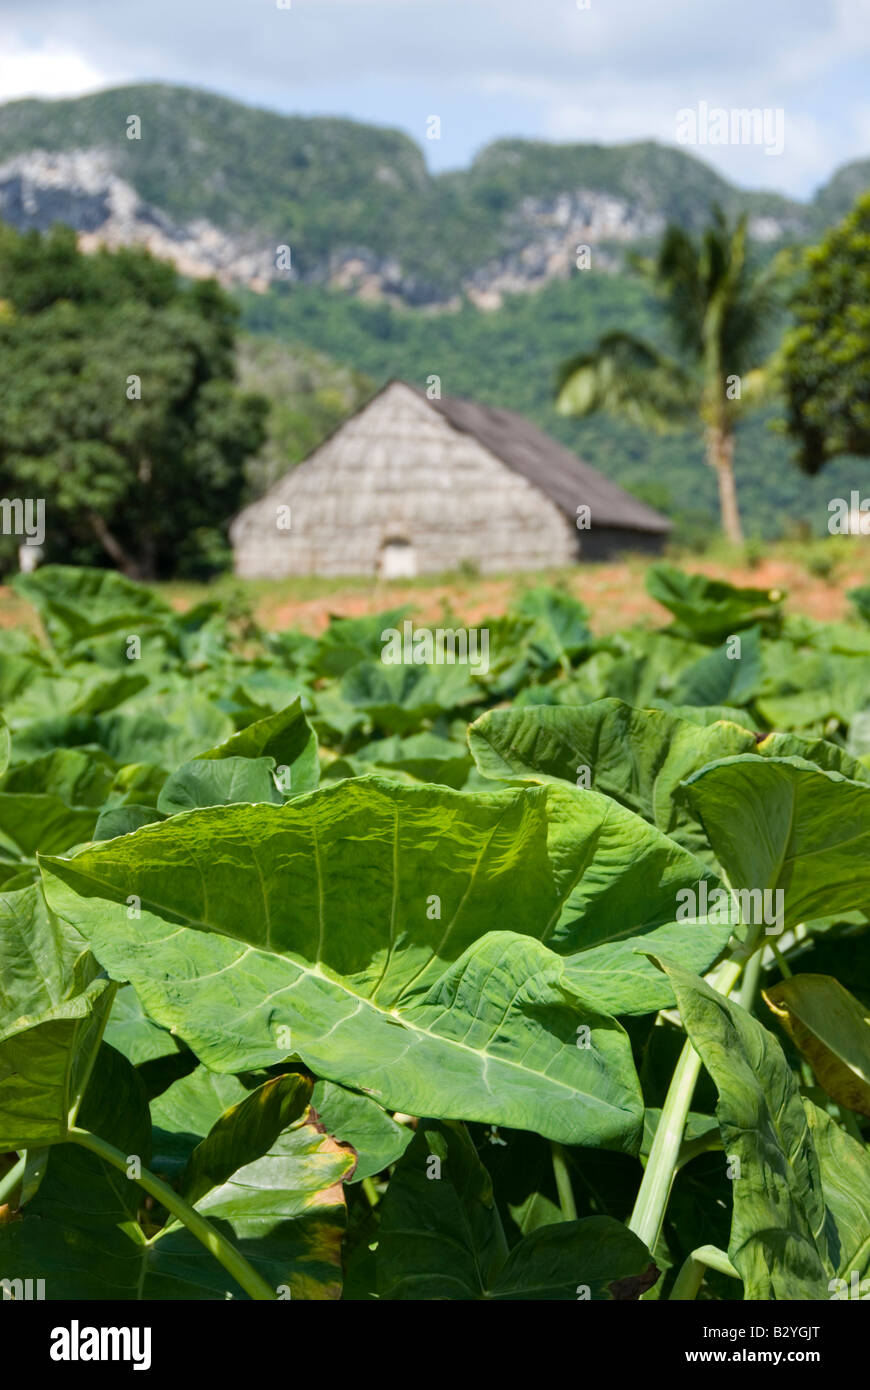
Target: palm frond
<point x="627" y="378"/>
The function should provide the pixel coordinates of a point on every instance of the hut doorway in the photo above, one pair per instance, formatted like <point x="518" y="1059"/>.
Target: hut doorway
<point x="398" y="559"/>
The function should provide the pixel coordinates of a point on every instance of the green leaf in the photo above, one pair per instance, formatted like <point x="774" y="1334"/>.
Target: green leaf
<point x="149" y="736"/>
<point x="244" y="1133"/>
<point x="286" y="736"/>
<point x="800" y="830"/>
<point x="29" y="823"/>
<point x="845" y="1169"/>
<point x="721" y="677"/>
<point x="282" y="1206"/>
<point x="5" y="746"/>
<point x="76" y="777"/>
<point x="427" y="1013"/>
<point x="356" y="1120"/>
<point x="618" y="881"/>
<point x="76" y="603"/>
<point x="399" y="698"/>
<point x="424" y="756"/>
<point x="832" y="1030"/>
<point x="131" y="1032"/>
<point x="710" y="609"/>
<point x="638" y="757"/>
<point x="123" y="820"/>
<point x="441" y="1237"/>
<point x="778" y="1242"/>
<point x="830" y="757"/>
<point x="53" y="1008"/>
<point x="221" y="783"/>
<point x="561" y="622"/>
<point x="440" y="1234"/>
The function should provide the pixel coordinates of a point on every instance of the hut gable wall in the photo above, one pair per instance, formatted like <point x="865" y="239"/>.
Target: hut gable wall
<point x="398" y="471"/>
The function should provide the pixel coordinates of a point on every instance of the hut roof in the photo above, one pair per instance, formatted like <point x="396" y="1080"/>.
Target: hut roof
<point x="552" y="468"/>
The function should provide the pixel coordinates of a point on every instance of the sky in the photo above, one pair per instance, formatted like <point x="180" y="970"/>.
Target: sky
<point x="603" y="71"/>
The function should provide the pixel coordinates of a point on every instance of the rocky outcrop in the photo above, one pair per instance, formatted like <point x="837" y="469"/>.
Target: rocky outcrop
<point x="540" y="239"/>
<point x="81" y="190"/>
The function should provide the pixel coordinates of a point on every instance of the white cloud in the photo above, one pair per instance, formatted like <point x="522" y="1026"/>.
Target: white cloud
<point x="540" y="68"/>
<point x="50" y="69"/>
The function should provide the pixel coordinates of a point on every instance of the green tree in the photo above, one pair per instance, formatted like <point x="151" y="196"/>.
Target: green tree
<point x="119" y="404"/>
<point x="716" y="304"/>
<point x="825" y="355"/>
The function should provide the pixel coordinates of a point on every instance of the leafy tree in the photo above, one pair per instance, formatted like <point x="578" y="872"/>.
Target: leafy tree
<point x="119" y="406"/>
<point x="716" y="305"/>
<point x="824" y="357"/>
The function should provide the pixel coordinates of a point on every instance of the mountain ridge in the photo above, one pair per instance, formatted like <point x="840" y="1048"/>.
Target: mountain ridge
<point x="225" y="186"/>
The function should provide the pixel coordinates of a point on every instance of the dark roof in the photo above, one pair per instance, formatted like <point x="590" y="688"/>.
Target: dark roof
<point x="548" y="465"/>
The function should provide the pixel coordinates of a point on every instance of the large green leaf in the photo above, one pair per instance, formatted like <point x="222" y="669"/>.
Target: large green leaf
<point x="53" y="1008"/>
<point x="244" y="1133"/>
<point x="779" y="1242"/>
<point x="424" y="1003"/>
<point x="29" y="823"/>
<point x="76" y="603"/>
<point x="803" y="688"/>
<point x="287" y="737"/>
<point x="441" y="1237"/>
<point x="723" y="677"/>
<point x="799" y="829"/>
<point x="76" y="777"/>
<point x="845" y="1169"/>
<point x="141" y="736"/>
<point x="636" y="756"/>
<point x="828" y="756"/>
<point x="221" y="783"/>
<point x="400" y="698"/>
<point x="710" y="609"/>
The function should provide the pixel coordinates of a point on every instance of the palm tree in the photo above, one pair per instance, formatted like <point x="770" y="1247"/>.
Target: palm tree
<point x="716" y="306"/>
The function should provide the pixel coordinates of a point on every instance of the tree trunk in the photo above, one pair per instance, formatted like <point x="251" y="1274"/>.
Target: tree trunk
<point x="112" y="546"/>
<point x="720" y="456"/>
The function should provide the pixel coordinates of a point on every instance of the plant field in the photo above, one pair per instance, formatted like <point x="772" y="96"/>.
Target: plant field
<point x="541" y="973"/>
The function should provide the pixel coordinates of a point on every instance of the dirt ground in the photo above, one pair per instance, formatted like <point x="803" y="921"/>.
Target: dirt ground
<point x="614" y="594"/>
<point x="816" y="579"/>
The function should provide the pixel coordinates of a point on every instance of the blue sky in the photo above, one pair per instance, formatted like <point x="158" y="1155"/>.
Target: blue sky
<point x="546" y="69"/>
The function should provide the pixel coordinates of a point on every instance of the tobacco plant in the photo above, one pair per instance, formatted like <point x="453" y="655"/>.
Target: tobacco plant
<point x="323" y="978"/>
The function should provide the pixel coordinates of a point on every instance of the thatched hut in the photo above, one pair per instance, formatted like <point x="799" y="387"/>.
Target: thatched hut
<point x="411" y="486"/>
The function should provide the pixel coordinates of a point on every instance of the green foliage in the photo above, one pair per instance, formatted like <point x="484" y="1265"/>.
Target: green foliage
<point x="717" y="305"/>
<point x="367" y="1011"/>
<point x="824" y="355"/>
<point x="144" y="472"/>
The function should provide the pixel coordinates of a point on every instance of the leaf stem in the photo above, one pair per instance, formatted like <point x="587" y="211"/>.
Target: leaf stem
<point x="563" y="1182"/>
<point x="10" y="1180"/>
<point x="222" y="1249"/>
<point x="749" y="985"/>
<point x="655" y="1188"/>
<point x="784" y="967"/>
<point x="691" y="1274"/>
<point x="371" y="1192"/>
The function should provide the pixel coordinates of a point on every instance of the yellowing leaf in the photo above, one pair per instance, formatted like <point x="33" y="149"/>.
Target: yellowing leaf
<point x="832" y="1030"/>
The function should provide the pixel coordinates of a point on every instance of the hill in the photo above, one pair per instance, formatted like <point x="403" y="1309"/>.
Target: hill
<point x="219" y="186"/>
